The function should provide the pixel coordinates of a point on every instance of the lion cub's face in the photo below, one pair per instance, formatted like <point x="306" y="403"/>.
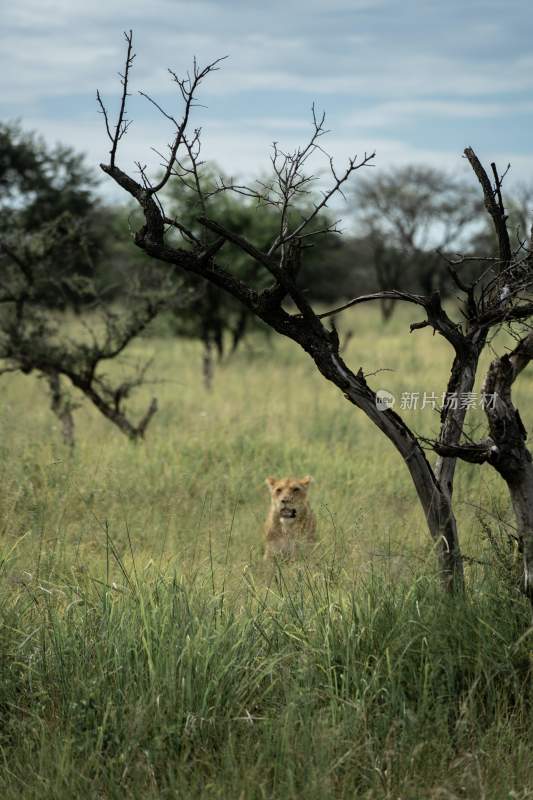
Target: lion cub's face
<point x="289" y="496"/>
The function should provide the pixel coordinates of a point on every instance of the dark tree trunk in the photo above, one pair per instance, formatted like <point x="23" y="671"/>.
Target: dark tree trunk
<point x="461" y="382"/>
<point x="387" y="309"/>
<point x="508" y="452"/>
<point x="239" y="330"/>
<point x="506" y="449"/>
<point x="62" y="408"/>
<point x="207" y="364"/>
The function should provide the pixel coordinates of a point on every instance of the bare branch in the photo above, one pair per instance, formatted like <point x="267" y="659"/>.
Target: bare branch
<point x="496" y="211"/>
<point x="437" y="317"/>
<point x="498" y="187"/>
<point x="188" y="87"/>
<point x="249" y="248"/>
<point x="479" y="453"/>
<point x="122" y="124"/>
<point x="186" y="233"/>
<point x="353" y="165"/>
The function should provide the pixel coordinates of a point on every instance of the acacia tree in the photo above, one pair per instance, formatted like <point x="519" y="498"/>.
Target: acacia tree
<point x="505" y="447"/>
<point x="34" y="339"/>
<point x="498" y="294"/>
<point x="55" y="237"/>
<point x="390" y="266"/>
<point x="505" y="296"/>
<point x="214" y="317"/>
<point x="49" y="191"/>
<point x="284" y="306"/>
<point x="410" y="214"/>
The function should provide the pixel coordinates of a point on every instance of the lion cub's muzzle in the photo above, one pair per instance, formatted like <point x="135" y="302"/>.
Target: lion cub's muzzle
<point x="287" y="513"/>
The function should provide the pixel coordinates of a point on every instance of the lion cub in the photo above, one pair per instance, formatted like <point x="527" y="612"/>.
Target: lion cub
<point x="290" y="522"/>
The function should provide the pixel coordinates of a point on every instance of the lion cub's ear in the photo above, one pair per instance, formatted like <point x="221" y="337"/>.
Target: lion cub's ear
<point x="270" y="481"/>
<point x="306" y="481"/>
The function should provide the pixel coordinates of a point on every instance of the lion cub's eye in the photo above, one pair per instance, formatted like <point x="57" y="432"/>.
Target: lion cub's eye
<point x="296" y="489"/>
<point x="278" y="491"/>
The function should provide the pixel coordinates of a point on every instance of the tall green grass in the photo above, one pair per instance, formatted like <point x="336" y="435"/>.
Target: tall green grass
<point x="147" y="651"/>
<point x="169" y="687"/>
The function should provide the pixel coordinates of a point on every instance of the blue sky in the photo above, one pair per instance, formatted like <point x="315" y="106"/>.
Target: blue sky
<point x="416" y="80"/>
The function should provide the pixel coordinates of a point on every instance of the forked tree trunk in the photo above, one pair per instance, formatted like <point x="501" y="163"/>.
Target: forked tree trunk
<point x="521" y="491"/>
<point x="508" y="452"/>
<point x="461" y="383"/>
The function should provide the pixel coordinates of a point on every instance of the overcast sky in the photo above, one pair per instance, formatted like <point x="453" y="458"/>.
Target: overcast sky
<point x="416" y="80"/>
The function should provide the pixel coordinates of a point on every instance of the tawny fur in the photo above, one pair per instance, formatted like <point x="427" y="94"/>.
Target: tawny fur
<point x="291" y="523"/>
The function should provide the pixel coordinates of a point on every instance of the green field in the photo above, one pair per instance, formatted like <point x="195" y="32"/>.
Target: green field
<point x="148" y="651"/>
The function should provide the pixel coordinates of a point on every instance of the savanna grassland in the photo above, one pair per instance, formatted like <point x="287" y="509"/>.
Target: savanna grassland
<point x="146" y="650"/>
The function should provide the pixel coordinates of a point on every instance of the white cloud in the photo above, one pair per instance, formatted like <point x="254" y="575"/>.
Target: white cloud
<point x="370" y="63"/>
<point x="60" y="47"/>
<point x="387" y="114"/>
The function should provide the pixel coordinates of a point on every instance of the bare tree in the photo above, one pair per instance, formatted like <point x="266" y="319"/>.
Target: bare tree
<point x="505" y="297"/>
<point x="284" y="307"/>
<point x="505" y="448"/>
<point x="499" y="294"/>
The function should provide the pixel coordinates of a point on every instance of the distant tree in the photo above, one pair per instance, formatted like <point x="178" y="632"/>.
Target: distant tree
<point x="37" y="339"/>
<point x="391" y="266"/>
<point x="409" y="214"/>
<point x="49" y="216"/>
<point x="41" y="185"/>
<point x="213" y="316"/>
